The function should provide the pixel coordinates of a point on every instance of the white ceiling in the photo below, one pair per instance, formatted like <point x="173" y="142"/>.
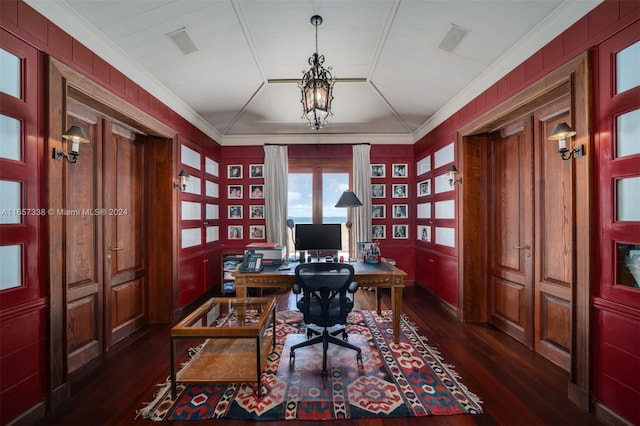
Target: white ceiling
<point x="240" y="87"/>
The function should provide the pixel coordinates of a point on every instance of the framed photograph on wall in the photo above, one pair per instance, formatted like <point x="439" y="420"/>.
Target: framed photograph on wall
<point x="400" y="231"/>
<point x="234" y="171"/>
<point x="400" y="171"/>
<point x="424" y="188"/>
<point x="377" y="171"/>
<point x="378" y="211"/>
<point x="378" y="191"/>
<point x="234" y="192"/>
<point x="256" y="232"/>
<point x="400" y="211"/>
<point x="256" y="170"/>
<point x="235" y="232"/>
<point x="424" y="233"/>
<point x="379" y="231"/>
<point x="400" y="190"/>
<point x="256" y="191"/>
<point x="256" y="212"/>
<point x="235" y="212"/>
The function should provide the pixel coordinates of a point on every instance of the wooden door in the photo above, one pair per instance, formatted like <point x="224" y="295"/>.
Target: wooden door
<point x="104" y="234"/>
<point x="124" y="260"/>
<point x="511" y="223"/>
<point x="532" y="217"/>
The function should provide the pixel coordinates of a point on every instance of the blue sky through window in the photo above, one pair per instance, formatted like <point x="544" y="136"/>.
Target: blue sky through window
<point x="300" y="202"/>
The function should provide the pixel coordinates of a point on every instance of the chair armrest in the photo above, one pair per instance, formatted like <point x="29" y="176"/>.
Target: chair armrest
<point x="296" y="288"/>
<point x="353" y="287"/>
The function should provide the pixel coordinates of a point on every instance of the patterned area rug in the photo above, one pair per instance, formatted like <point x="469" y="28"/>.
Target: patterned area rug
<point x="395" y="380"/>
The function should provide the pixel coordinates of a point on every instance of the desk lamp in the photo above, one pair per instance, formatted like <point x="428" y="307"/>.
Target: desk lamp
<point x="349" y="199"/>
<point x="290" y="225"/>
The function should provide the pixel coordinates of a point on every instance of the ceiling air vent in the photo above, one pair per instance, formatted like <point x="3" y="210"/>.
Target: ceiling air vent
<point x="182" y="41"/>
<point x="453" y="38"/>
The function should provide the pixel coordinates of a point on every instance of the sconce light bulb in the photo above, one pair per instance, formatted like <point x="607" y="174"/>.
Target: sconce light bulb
<point x="562" y="144"/>
<point x="75" y="146"/>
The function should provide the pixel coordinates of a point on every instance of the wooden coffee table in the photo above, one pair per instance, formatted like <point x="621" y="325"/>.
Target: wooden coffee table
<point x="236" y="341"/>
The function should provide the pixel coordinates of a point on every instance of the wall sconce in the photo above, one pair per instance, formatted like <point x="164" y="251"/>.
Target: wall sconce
<point x="184" y="178"/>
<point x="560" y="133"/>
<point x="452" y="171"/>
<point x="77" y="136"/>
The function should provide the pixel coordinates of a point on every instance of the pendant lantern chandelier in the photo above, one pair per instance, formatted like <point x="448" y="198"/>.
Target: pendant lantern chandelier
<point x="317" y="87"/>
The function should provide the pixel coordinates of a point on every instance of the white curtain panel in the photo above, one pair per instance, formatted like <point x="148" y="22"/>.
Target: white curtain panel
<point x="362" y="188"/>
<point x="276" y="168"/>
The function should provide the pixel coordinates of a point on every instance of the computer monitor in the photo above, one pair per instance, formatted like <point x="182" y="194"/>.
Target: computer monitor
<point x="313" y="236"/>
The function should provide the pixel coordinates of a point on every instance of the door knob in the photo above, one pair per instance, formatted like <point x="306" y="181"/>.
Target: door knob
<point x="110" y="249"/>
<point x="524" y="247"/>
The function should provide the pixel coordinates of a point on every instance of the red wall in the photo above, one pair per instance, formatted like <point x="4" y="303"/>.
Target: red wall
<point x="400" y="250"/>
<point x="19" y="19"/>
<point x="24" y="328"/>
<point x="243" y="156"/>
<point x="617" y="355"/>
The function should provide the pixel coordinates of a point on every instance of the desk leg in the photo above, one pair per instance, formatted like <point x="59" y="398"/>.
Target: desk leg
<point x="259" y="366"/>
<point x="396" y="306"/>
<point x="173" y="368"/>
<point x="241" y="290"/>
<point x="378" y="300"/>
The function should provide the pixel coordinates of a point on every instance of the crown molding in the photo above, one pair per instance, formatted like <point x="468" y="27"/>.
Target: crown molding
<point x="561" y="18"/>
<point x="66" y="17"/>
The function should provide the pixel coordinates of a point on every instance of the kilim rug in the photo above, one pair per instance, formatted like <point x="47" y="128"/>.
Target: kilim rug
<point x="395" y="380"/>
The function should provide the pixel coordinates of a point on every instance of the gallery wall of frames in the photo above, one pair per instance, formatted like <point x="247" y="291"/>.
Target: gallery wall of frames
<point x="242" y="194"/>
<point x="435" y="225"/>
<point x="393" y="197"/>
<point x="199" y="225"/>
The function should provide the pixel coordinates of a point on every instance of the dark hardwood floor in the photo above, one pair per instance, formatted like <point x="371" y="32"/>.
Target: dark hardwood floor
<point x="517" y="386"/>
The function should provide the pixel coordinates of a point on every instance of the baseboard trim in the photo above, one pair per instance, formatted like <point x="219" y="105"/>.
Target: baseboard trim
<point x="608" y="417"/>
<point x="450" y="309"/>
<point x="32" y="416"/>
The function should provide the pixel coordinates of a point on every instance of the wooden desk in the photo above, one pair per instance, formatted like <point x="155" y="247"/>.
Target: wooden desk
<point x="381" y="275"/>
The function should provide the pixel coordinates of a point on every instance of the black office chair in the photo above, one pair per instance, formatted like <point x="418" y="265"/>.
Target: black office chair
<point x="325" y="303"/>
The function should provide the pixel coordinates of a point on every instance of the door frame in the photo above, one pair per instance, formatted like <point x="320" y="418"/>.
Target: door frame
<point x="63" y="83"/>
<point x="572" y="78"/>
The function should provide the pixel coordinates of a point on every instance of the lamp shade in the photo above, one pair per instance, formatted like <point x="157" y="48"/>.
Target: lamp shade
<point x="76" y="134"/>
<point x="561" y="131"/>
<point x="348" y="199"/>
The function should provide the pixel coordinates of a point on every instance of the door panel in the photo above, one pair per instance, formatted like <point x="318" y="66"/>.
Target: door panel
<point x="555" y="225"/>
<point x="83" y="332"/>
<point x="123" y="218"/>
<point x="83" y="249"/>
<point x="511" y="218"/>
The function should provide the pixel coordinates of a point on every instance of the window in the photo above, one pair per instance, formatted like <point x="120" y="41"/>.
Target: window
<point x="20" y="204"/>
<point x="619" y="165"/>
<point x="313" y="194"/>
